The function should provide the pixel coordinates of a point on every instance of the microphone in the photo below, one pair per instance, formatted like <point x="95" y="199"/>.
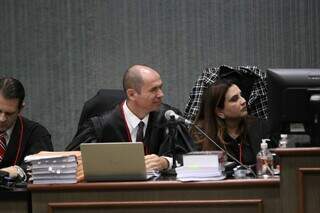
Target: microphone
<point x="170" y="115"/>
<point x="171" y="130"/>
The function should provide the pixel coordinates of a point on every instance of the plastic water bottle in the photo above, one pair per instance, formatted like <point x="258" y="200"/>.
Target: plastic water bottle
<point x="283" y="141"/>
<point x="264" y="164"/>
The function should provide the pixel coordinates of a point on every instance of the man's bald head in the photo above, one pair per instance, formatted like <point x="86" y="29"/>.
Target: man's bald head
<point x="133" y="77"/>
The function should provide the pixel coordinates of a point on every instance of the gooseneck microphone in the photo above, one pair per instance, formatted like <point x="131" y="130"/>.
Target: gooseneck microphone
<point x="170" y="115"/>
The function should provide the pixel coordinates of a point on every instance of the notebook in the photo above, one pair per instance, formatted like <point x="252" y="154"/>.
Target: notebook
<point x="113" y="161"/>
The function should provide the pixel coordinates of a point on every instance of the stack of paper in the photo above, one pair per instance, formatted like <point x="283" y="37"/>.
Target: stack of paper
<point x="55" y="167"/>
<point x="199" y="166"/>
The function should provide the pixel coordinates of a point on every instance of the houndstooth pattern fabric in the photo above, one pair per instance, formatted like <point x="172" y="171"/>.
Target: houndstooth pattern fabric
<point x="257" y="103"/>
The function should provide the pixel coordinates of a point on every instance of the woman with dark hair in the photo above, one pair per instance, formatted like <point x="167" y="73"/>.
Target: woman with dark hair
<point x="224" y="117"/>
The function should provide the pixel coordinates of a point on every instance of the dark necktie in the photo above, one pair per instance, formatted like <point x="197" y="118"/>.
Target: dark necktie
<point x="3" y="145"/>
<point x="140" y="132"/>
<point x="140" y="137"/>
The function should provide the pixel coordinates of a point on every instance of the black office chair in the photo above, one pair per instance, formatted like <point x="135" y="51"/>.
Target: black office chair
<point x="104" y="100"/>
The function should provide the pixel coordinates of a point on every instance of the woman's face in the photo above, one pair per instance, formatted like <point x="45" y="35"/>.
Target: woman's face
<point x="235" y="105"/>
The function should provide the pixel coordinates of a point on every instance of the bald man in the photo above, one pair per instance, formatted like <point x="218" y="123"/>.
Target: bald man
<point x="139" y="118"/>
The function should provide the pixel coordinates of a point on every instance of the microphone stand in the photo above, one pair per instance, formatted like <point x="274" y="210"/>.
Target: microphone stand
<point x="217" y="145"/>
<point x="172" y="126"/>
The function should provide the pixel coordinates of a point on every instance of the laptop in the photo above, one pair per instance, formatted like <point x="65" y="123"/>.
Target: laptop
<point x="113" y="161"/>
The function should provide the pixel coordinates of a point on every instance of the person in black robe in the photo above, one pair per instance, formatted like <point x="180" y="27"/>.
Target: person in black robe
<point x="143" y="103"/>
<point x="224" y="117"/>
<point x="19" y="136"/>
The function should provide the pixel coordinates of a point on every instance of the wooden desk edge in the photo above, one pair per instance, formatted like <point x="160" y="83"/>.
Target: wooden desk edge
<point x="311" y="151"/>
<point x="274" y="182"/>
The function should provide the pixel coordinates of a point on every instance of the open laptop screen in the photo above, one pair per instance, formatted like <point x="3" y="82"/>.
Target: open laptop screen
<point x="112" y="161"/>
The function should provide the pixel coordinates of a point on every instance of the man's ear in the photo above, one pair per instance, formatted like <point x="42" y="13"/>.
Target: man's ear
<point x="22" y="106"/>
<point x="220" y="114"/>
<point x="131" y="93"/>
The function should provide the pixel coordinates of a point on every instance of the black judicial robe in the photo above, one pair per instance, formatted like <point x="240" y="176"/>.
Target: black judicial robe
<point x="111" y="127"/>
<point x="258" y="129"/>
<point x="31" y="137"/>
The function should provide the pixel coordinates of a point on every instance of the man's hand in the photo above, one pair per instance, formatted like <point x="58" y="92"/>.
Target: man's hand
<point x="154" y="162"/>
<point x="13" y="173"/>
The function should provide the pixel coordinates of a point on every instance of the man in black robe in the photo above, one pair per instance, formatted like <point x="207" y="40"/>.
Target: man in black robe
<point x="142" y="106"/>
<point x="19" y="136"/>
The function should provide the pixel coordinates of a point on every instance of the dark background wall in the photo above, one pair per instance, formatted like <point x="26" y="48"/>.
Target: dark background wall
<point x="65" y="50"/>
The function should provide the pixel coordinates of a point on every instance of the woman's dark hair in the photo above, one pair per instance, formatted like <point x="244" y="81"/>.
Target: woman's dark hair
<point x="11" y="88"/>
<point x="213" y="98"/>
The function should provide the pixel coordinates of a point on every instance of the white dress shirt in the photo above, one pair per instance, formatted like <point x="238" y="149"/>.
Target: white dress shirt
<point x="8" y="134"/>
<point x="132" y="122"/>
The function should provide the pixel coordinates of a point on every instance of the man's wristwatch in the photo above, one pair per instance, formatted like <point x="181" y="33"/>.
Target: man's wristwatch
<point x="22" y="175"/>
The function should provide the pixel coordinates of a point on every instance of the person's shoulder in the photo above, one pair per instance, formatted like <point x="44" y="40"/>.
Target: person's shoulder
<point x="107" y="117"/>
<point x="32" y="127"/>
<point x="258" y="126"/>
<point x="115" y="111"/>
<point x="28" y="123"/>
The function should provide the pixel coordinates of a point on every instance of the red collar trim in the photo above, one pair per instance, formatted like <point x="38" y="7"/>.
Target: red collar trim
<point x="125" y="121"/>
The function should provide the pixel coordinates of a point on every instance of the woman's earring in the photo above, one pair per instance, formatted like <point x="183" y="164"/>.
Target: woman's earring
<point x="221" y="115"/>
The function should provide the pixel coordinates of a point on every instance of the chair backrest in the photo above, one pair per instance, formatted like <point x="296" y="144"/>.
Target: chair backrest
<point x="104" y="100"/>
